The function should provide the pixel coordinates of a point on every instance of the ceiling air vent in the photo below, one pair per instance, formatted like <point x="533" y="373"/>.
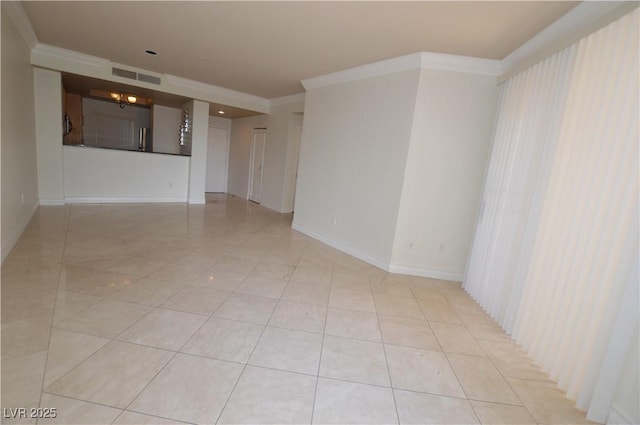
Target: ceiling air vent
<point x="148" y="79"/>
<point x="124" y="73"/>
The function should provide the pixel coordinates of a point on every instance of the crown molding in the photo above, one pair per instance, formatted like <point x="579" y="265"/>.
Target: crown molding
<point x="41" y="51"/>
<point x="19" y="17"/>
<point x="215" y="91"/>
<point x="582" y="20"/>
<point x="458" y="63"/>
<point x="287" y="100"/>
<point x="422" y="60"/>
<point x="376" y="69"/>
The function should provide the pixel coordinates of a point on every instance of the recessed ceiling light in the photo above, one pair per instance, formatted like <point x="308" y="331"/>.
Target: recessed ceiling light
<point x="151" y="52"/>
<point x="221" y="112"/>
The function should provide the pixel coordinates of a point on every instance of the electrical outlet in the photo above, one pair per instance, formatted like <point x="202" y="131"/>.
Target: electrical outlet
<point x="409" y="245"/>
<point x="22" y="197"/>
<point x="441" y="248"/>
<point x="334" y="221"/>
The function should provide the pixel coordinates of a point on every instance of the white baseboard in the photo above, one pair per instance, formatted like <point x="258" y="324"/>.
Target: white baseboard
<point x="339" y="246"/>
<point x="237" y="195"/>
<point x="436" y="274"/>
<point x="270" y="206"/>
<point x="617" y="418"/>
<point x="8" y="245"/>
<point x="100" y="200"/>
<point x="51" y="202"/>
<point x="197" y="201"/>
<point x="391" y="268"/>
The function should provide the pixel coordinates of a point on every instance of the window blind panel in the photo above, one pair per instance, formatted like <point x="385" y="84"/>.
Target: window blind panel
<point x="519" y="144"/>
<point x="114" y="131"/>
<point x="585" y="217"/>
<point x="558" y="231"/>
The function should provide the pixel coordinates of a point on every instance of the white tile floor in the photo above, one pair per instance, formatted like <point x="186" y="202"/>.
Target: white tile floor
<point x="158" y="314"/>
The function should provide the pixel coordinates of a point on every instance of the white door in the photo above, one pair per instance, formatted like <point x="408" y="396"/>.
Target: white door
<point x="217" y="160"/>
<point x="258" y="139"/>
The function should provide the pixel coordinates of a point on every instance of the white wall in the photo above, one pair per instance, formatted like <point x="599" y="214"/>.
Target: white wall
<point x="18" y="139"/>
<point x="110" y="175"/>
<point x="199" y="139"/>
<point x="352" y="159"/>
<point x="240" y="153"/>
<point x="277" y="157"/>
<point x="166" y="129"/>
<point x="217" y="173"/>
<point x="291" y="164"/>
<point x="448" y="151"/>
<point x="215" y="121"/>
<point x="48" y="109"/>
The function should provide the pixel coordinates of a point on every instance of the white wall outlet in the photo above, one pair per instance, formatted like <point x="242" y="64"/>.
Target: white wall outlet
<point x="441" y="248"/>
<point x="22" y="197"/>
<point x="334" y="221"/>
<point x="409" y="245"/>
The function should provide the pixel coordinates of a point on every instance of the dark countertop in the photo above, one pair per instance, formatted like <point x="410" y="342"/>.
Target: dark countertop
<point x="123" y="149"/>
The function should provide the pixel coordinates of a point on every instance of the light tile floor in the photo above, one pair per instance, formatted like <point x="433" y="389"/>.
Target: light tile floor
<point x="221" y="313"/>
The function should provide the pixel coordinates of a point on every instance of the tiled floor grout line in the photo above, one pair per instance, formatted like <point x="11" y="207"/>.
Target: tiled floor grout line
<point x="526" y="407"/>
<point x="449" y="363"/>
<point x="175" y="353"/>
<point x="146" y="414"/>
<point x="492" y="362"/>
<point x="386" y="361"/>
<point x="235" y="385"/>
<point x="324" y="329"/>
<point x="53" y="313"/>
<point x="179" y="350"/>
<point x="123" y="410"/>
<point x="296" y="373"/>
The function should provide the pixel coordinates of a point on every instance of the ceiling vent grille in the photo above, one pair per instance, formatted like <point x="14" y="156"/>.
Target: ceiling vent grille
<point x="148" y="79"/>
<point x="135" y="76"/>
<point x="124" y="73"/>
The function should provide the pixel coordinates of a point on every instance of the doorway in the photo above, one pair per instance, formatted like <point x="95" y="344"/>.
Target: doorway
<point x="217" y="160"/>
<point x="258" y="141"/>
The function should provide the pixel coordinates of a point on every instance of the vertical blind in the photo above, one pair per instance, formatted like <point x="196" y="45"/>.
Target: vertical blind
<point x="557" y="233"/>
<point x="114" y="131"/>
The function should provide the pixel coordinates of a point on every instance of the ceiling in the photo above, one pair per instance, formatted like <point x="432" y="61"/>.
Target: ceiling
<point x="265" y="48"/>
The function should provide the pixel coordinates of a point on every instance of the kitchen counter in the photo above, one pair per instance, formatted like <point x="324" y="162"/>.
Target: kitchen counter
<point x="123" y="149"/>
<point x="93" y="174"/>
